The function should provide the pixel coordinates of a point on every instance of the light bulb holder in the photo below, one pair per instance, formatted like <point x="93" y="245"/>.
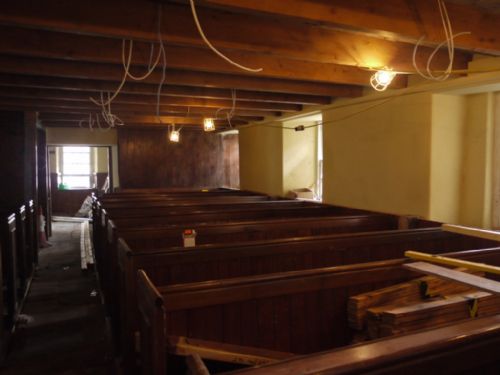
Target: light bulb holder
<point x="174" y="136"/>
<point x="208" y="125"/>
<point x="382" y="79"/>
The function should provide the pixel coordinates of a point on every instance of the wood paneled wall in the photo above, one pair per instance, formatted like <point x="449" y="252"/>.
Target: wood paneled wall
<point x="66" y="202"/>
<point x="147" y="159"/>
<point x="18" y="155"/>
<point x="231" y="148"/>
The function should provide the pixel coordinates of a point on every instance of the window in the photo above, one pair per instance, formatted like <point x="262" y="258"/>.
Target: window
<point x="76" y="168"/>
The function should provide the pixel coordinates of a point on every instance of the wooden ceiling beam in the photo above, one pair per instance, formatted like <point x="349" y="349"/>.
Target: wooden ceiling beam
<point x="112" y="72"/>
<point x="48" y="44"/>
<point x="23" y="92"/>
<point x="232" y="32"/>
<point x="401" y="20"/>
<point x="80" y="108"/>
<point x="198" y="127"/>
<point x="62" y="117"/>
<point x="72" y="106"/>
<point x="149" y="89"/>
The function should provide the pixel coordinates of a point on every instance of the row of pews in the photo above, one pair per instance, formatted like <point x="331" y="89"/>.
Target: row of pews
<point x="265" y="288"/>
<point x="19" y="255"/>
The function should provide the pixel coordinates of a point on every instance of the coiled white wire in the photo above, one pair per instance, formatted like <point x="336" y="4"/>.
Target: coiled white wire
<point x="220" y="54"/>
<point x="449" y="41"/>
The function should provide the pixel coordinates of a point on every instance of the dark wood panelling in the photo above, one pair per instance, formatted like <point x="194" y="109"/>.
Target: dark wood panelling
<point x="231" y="150"/>
<point x="66" y="202"/>
<point x="147" y="159"/>
<point x="18" y="152"/>
<point x="43" y="180"/>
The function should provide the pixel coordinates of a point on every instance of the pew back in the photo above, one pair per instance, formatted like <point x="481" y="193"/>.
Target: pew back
<point x="299" y="312"/>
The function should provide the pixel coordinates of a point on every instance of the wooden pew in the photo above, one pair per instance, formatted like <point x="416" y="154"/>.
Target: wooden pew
<point x="468" y="347"/>
<point x="9" y="299"/>
<point x="21" y="251"/>
<point x="153" y="217"/>
<point x="31" y="236"/>
<point x="258" y="311"/>
<point x="163" y="237"/>
<point x="213" y="262"/>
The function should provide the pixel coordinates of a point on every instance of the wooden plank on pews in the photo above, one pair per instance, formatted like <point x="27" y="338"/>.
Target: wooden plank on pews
<point x="404" y="293"/>
<point x="480" y="283"/>
<point x="89" y="250"/>
<point x="224" y="352"/>
<point x="195" y="365"/>
<point x="431" y="314"/>
<point x="86" y="249"/>
<point x="433" y="258"/>
<point x="83" y="256"/>
<point x="474" y="232"/>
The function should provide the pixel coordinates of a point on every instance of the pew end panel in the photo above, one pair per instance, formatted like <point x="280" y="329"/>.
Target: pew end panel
<point x="152" y="331"/>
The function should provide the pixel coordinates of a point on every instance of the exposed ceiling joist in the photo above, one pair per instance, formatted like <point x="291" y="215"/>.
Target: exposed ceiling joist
<point x="22" y="92"/>
<point x="48" y="44"/>
<point x="236" y="33"/>
<point x="400" y="20"/>
<point x="113" y="72"/>
<point x="13" y="80"/>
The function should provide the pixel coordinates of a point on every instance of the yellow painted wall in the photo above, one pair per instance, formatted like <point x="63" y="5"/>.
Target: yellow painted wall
<point x="447" y="145"/>
<point x="101" y="159"/>
<point x="476" y="200"/>
<point x="379" y="159"/>
<point x="261" y="159"/>
<point x="299" y="159"/>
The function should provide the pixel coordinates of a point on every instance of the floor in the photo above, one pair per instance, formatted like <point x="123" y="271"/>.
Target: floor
<point x="64" y="330"/>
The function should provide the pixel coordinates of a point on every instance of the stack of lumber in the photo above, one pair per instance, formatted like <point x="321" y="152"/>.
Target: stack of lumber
<point x="86" y="248"/>
<point x="422" y="303"/>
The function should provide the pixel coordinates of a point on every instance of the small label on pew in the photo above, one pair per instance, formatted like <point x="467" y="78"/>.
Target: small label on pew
<point x="189" y="237"/>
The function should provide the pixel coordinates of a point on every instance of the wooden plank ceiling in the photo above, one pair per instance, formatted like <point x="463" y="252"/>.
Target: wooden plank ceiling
<point x="54" y="54"/>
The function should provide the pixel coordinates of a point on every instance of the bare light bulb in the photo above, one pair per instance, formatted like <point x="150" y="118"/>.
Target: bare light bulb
<point x="382" y="79"/>
<point x="208" y="125"/>
<point x="174" y="136"/>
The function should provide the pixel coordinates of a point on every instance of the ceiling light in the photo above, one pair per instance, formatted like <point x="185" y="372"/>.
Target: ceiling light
<point x="208" y="125"/>
<point x="382" y="79"/>
<point x="174" y="136"/>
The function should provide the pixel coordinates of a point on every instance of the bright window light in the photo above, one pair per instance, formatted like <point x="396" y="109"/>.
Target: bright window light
<point x="76" y="167"/>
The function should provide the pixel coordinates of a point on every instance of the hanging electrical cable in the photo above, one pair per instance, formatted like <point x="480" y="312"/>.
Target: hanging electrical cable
<point x="111" y="119"/>
<point x="220" y="54"/>
<point x="164" y="67"/>
<point x="450" y="43"/>
<point x="230" y="113"/>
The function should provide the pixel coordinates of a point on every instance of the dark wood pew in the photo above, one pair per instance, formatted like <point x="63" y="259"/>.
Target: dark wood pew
<point x="31" y="236"/>
<point x="21" y="252"/>
<point x="211" y="233"/>
<point x="184" y="191"/>
<point x="469" y="347"/>
<point x="141" y="239"/>
<point x="213" y="262"/>
<point x="297" y="312"/>
<point x="158" y="199"/>
<point x="153" y="217"/>
<point x="9" y="298"/>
